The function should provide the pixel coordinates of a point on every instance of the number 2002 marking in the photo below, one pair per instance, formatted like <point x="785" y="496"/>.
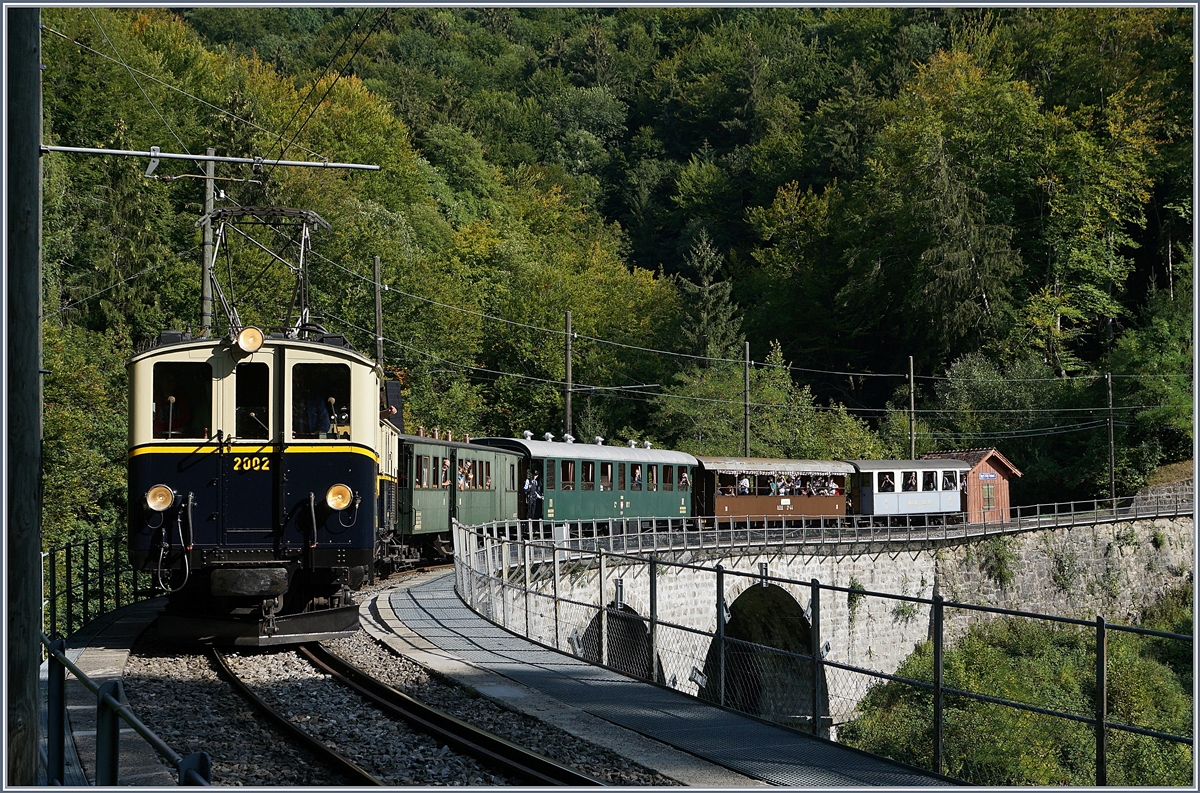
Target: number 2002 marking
<point x="252" y="463"/>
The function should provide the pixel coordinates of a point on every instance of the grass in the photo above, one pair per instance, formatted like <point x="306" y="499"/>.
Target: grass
<point x="1173" y="472"/>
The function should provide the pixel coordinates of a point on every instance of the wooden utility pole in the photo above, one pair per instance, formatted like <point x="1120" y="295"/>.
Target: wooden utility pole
<point x="378" y="314"/>
<point x="23" y="463"/>
<point x="912" y="412"/>
<point x="746" y="405"/>
<point x="206" y="249"/>
<point x="567" y="422"/>
<point x="1112" y="455"/>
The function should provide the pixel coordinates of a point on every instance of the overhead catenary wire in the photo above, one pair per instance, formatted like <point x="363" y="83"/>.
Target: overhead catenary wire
<point x="176" y="89"/>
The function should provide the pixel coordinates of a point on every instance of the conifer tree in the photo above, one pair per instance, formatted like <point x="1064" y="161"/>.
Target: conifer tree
<point x="711" y="327"/>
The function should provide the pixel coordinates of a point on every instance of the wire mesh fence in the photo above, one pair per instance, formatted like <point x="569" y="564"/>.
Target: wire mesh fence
<point x="1050" y="709"/>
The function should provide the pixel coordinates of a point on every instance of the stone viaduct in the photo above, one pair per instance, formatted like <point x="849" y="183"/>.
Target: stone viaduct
<point x="1112" y="569"/>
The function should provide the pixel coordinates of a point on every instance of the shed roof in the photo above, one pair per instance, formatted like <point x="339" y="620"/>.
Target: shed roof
<point x="767" y="467"/>
<point x="974" y="457"/>
<point x="588" y="451"/>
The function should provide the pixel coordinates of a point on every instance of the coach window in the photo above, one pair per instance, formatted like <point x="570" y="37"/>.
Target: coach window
<point x="606" y="476"/>
<point x="423" y="472"/>
<point x="321" y="400"/>
<point x="886" y="485"/>
<point x="589" y="475"/>
<point x="910" y="481"/>
<point x="568" y="474"/>
<point x="620" y="476"/>
<point x="512" y="476"/>
<point x="182" y="400"/>
<point x="651" y="477"/>
<point x="683" y="477"/>
<point x="668" y="478"/>
<point x="551" y="470"/>
<point x="929" y="480"/>
<point x="635" y="477"/>
<point x="949" y="480"/>
<point x="253" y="397"/>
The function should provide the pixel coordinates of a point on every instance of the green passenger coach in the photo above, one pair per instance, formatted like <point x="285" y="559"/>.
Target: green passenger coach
<point x="582" y="481"/>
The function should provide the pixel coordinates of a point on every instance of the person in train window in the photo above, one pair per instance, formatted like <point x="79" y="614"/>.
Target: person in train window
<point x="636" y="483"/>
<point x="744" y="486"/>
<point x="445" y="473"/>
<point x="886" y="485"/>
<point x="910" y="482"/>
<point x="683" y="478"/>
<point x="774" y="487"/>
<point x="533" y="496"/>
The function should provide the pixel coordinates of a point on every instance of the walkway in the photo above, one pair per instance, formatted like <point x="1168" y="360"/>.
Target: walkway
<point x="777" y="755"/>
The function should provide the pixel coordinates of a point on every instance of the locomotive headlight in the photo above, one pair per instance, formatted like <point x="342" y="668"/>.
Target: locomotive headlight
<point x="339" y="497"/>
<point x="160" y="498"/>
<point x="250" y="339"/>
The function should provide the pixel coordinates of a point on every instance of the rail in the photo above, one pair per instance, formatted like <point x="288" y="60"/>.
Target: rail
<point x="195" y="769"/>
<point x="654" y="534"/>
<point x="576" y="599"/>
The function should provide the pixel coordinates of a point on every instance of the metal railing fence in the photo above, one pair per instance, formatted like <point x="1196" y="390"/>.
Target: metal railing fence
<point x="195" y="769"/>
<point x="575" y="595"/>
<point x="85" y="580"/>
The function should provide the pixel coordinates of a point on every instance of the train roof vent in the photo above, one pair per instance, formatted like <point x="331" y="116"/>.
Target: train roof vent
<point x="632" y="443"/>
<point x="333" y="339"/>
<point x="568" y="438"/>
<point x="599" y="441"/>
<point x="549" y="436"/>
<point x="173" y="337"/>
<point x="527" y="435"/>
<point x="646" y="444"/>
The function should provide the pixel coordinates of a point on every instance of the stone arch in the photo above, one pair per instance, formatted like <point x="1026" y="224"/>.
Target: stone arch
<point x="776" y="686"/>
<point x="628" y="640"/>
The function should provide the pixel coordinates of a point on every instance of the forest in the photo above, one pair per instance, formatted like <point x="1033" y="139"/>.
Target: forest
<point x="1004" y="195"/>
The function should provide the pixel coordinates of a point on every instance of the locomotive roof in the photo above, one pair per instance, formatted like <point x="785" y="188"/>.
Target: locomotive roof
<point x="589" y="451"/>
<point x="333" y="344"/>
<point x="766" y="467"/>
<point x="910" y="465"/>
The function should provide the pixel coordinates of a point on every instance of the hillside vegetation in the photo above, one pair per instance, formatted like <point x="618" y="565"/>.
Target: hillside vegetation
<point x="1003" y="195"/>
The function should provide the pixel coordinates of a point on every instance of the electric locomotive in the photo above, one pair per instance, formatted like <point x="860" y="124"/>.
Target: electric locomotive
<point x="254" y="482"/>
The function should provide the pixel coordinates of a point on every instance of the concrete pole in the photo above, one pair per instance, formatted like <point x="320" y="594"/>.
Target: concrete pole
<point x="378" y="314"/>
<point x="746" y="405"/>
<point x="567" y="422"/>
<point x="206" y="249"/>
<point x="23" y="456"/>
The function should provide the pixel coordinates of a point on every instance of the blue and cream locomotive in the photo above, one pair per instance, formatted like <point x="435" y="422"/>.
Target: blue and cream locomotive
<point x="255" y="481"/>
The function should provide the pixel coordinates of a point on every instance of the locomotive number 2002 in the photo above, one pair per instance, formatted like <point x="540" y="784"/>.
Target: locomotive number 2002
<point x="252" y="463"/>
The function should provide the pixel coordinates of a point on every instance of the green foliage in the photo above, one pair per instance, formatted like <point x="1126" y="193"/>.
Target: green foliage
<point x="854" y="597"/>
<point x="1049" y="667"/>
<point x="998" y="560"/>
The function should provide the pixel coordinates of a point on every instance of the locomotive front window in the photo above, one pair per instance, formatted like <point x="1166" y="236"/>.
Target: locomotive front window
<point x="929" y="480"/>
<point x="568" y="474"/>
<point x="182" y="400"/>
<point x="253" y="398"/>
<point x="321" y="400"/>
<point x="589" y="475"/>
<point x="950" y="480"/>
<point x="606" y="476"/>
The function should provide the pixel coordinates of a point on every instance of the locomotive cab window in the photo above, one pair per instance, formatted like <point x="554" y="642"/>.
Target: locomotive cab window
<point x="321" y="400"/>
<point x="182" y="400"/>
<point x="253" y="398"/>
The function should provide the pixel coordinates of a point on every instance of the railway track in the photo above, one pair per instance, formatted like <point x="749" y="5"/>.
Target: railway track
<point x="333" y="759"/>
<point x="506" y="757"/>
<point x="512" y="759"/>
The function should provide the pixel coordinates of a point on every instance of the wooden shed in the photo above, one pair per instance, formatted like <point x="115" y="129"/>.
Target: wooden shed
<point x="986" y="488"/>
